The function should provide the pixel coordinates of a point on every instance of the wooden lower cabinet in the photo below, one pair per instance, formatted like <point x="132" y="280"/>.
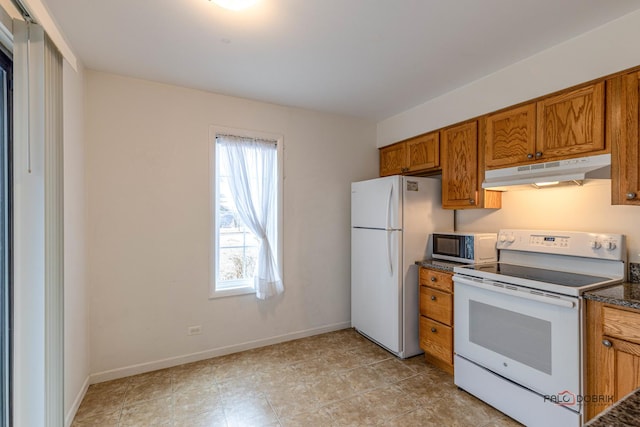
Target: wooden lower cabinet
<point x="613" y="355"/>
<point x="436" y="317"/>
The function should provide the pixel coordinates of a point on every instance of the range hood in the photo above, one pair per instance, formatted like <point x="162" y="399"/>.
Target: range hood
<point x="561" y="171"/>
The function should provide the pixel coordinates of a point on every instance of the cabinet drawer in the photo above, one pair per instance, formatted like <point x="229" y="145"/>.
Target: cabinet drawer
<point x="436" y="305"/>
<point x="621" y="324"/>
<point x="436" y="339"/>
<point x="436" y="279"/>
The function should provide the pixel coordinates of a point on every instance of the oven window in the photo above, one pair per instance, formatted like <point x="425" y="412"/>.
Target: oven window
<point x="522" y="338"/>
<point x="448" y="246"/>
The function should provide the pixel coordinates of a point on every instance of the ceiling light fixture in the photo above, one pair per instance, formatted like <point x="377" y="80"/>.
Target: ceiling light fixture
<point x="235" y="4"/>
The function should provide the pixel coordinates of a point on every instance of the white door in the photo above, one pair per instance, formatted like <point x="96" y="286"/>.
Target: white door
<point x="376" y="285"/>
<point x="377" y="203"/>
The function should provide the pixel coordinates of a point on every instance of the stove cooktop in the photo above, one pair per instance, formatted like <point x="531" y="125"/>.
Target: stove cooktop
<point x="539" y="274"/>
<point x="537" y="278"/>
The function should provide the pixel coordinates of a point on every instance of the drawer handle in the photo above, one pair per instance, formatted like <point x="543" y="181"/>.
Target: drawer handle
<point x="433" y="297"/>
<point x="607" y="343"/>
<point x="631" y="196"/>
<point x="434" y="330"/>
<point x="433" y="278"/>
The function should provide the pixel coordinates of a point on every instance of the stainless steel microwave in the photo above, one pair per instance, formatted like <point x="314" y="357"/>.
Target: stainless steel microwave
<point x="469" y="248"/>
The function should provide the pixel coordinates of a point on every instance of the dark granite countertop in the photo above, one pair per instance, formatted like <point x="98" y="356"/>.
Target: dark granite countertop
<point x="624" y="294"/>
<point x="625" y="412"/>
<point x="438" y="264"/>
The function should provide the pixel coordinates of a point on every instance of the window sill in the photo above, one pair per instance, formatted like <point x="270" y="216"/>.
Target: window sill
<point x="244" y="290"/>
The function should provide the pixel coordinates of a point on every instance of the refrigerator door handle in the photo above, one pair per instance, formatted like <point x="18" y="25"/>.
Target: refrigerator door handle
<point x="389" y="205"/>
<point x="389" y="253"/>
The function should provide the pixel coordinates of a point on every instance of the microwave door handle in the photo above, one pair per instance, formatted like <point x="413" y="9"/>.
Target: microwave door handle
<point x="490" y="286"/>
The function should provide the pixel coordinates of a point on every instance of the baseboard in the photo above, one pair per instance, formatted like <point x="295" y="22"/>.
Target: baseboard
<point x="76" y="403"/>
<point x="207" y="354"/>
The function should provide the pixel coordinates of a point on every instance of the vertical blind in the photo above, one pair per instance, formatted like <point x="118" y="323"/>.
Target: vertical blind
<point x="38" y="394"/>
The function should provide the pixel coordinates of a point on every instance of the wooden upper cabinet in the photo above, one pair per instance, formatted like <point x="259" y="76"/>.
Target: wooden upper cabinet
<point x="423" y="152"/>
<point x="413" y="156"/>
<point x="511" y="137"/>
<point x="462" y="158"/>
<point x="571" y="124"/>
<point x="460" y="166"/>
<point x="623" y="131"/>
<point x="392" y="159"/>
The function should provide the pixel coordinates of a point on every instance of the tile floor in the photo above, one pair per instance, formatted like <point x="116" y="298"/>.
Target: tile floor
<point x="334" y="379"/>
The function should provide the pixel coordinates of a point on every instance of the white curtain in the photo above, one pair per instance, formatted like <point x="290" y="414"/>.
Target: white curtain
<point x="253" y="181"/>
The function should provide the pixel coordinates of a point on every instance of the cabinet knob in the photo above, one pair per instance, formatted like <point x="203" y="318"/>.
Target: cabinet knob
<point x="631" y="196"/>
<point x="472" y="201"/>
<point x="538" y="154"/>
<point x="529" y="156"/>
<point x="434" y="330"/>
<point x="433" y="297"/>
<point x="433" y="278"/>
<point x="606" y="343"/>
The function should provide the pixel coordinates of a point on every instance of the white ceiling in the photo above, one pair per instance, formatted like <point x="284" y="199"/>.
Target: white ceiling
<point x="366" y="58"/>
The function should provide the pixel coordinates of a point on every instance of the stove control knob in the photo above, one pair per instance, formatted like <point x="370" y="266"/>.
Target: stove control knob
<point x="503" y="238"/>
<point x="511" y="238"/>
<point x="610" y="246"/>
<point x="595" y="244"/>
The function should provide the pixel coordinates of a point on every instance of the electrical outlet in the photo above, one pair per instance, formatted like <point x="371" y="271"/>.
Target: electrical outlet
<point x="194" y="330"/>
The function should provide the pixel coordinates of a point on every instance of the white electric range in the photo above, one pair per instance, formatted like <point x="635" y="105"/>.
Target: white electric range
<point x="519" y="322"/>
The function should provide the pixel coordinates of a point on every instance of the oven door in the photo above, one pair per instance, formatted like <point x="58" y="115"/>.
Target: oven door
<point x="530" y="338"/>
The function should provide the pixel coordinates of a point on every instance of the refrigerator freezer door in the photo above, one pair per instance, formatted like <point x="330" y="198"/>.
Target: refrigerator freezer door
<point x="377" y="203"/>
<point x="376" y="286"/>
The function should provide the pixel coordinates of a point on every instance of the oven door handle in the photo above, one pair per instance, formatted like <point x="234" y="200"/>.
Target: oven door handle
<point x="499" y="288"/>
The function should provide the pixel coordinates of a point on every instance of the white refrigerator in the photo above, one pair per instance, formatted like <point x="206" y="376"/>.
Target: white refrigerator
<point x="392" y="219"/>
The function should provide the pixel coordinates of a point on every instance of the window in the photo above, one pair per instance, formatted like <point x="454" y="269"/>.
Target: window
<point x="247" y="195"/>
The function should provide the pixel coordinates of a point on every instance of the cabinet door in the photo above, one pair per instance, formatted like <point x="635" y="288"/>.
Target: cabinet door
<point x="436" y="305"/>
<point x="460" y="166"/>
<point x="613" y="363"/>
<point x="600" y="366"/>
<point x="623" y="124"/>
<point x="423" y="152"/>
<point x="627" y="361"/>
<point x="511" y="137"/>
<point x="436" y="279"/>
<point x="571" y="123"/>
<point x="392" y="159"/>
<point x="436" y="340"/>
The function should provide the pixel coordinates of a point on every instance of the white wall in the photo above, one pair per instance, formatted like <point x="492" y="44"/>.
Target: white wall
<point x="76" y="325"/>
<point x="148" y="198"/>
<point x="605" y="50"/>
<point x="573" y="208"/>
